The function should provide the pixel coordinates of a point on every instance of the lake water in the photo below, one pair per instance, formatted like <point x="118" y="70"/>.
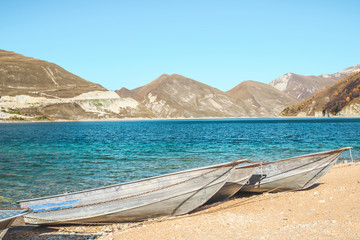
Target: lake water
<point x="39" y="159"/>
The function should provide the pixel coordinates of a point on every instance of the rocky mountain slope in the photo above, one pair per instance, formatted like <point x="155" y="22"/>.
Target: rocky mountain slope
<point x="126" y="93"/>
<point x="174" y="96"/>
<point x="34" y="77"/>
<point x="35" y="89"/>
<point x="302" y="87"/>
<point x="341" y="99"/>
<point x="264" y="99"/>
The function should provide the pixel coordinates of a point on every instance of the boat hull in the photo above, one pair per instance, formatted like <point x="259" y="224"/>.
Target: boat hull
<point x="166" y="195"/>
<point x="237" y="180"/>
<point x="293" y="173"/>
<point x="7" y="217"/>
<point x="4" y="226"/>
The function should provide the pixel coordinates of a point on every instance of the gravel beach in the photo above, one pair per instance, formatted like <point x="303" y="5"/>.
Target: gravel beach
<point x="328" y="210"/>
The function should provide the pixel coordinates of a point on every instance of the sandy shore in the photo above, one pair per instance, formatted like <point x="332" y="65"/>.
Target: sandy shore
<point x="328" y="210"/>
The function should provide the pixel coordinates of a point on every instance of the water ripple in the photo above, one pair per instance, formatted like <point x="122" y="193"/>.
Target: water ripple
<point x="39" y="159"/>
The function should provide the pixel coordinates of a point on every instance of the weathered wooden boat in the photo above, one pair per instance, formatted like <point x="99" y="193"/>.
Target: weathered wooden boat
<point x="292" y="173"/>
<point x="7" y="217"/>
<point x="236" y="181"/>
<point x="166" y="195"/>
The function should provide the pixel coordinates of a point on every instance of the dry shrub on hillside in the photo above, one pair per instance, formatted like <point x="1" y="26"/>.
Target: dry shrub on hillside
<point x="342" y="97"/>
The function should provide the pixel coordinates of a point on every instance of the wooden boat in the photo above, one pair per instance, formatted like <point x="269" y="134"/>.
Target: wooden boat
<point x="236" y="181"/>
<point x="7" y="217"/>
<point x="293" y="173"/>
<point x="171" y="194"/>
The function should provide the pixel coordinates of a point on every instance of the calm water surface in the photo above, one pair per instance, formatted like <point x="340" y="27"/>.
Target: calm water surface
<point x="39" y="159"/>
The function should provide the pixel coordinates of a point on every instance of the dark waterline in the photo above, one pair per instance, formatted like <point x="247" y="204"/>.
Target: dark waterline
<point x="38" y="159"/>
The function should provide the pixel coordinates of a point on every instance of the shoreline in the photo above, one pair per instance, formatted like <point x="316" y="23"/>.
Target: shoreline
<point x="327" y="210"/>
<point x="171" y="119"/>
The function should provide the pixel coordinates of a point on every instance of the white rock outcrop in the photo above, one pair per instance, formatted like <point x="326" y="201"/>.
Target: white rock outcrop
<point x="100" y="103"/>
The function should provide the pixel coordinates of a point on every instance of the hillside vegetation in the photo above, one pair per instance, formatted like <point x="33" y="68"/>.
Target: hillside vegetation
<point x="329" y="101"/>
<point x="342" y="97"/>
<point x="302" y="87"/>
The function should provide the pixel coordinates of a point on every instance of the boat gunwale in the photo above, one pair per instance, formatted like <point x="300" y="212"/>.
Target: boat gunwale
<point x="343" y="149"/>
<point x="23" y="212"/>
<point x="250" y="165"/>
<point x="228" y="164"/>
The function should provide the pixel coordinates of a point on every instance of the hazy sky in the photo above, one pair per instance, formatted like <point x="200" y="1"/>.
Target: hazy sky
<point x="220" y="43"/>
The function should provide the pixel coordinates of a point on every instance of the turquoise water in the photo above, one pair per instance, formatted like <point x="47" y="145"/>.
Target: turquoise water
<point x="39" y="159"/>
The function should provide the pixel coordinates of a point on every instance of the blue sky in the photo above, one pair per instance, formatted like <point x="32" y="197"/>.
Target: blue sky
<point x="220" y="43"/>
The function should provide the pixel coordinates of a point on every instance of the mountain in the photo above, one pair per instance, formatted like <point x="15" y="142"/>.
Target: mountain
<point x="126" y="93"/>
<point x="34" y="77"/>
<point x="174" y="96"/>
<point x="35" y="89"/>
<point x="302" y="87"/>
<point x="341" y="99"/>
<point x="265" y="99"/>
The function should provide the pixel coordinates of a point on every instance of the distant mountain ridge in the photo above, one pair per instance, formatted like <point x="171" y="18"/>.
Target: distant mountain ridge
<point x="35" y="89"/>
<point x="341" y="99"/>
<point x="302" y="87"/>
<point x="174" y="96"/>
<point x="264" y="99"/>
<point x="178" y="96"/>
